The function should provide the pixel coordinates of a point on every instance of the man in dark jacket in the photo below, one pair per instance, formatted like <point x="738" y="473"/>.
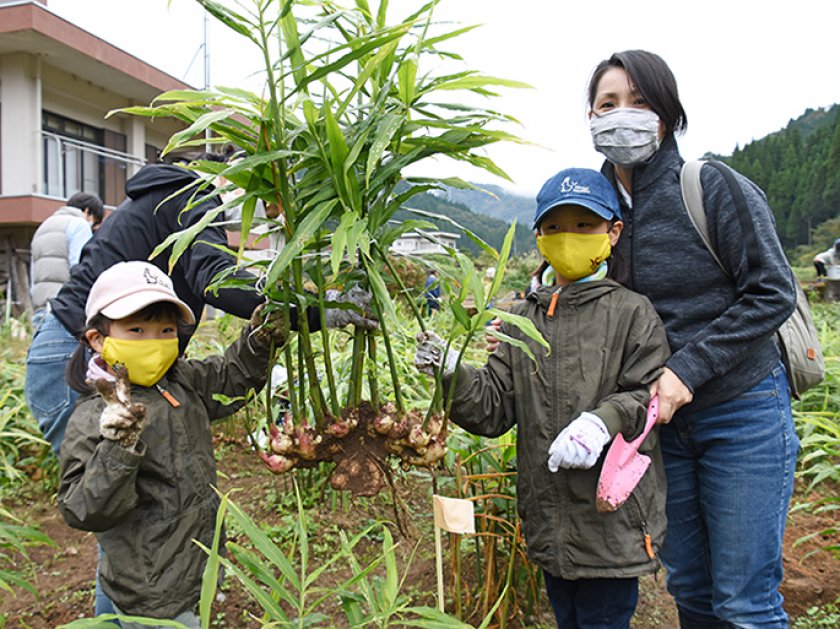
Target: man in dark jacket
<point x="157" y="196"/>
<point x="432" y="293"/>
<point x="154" y="209"/>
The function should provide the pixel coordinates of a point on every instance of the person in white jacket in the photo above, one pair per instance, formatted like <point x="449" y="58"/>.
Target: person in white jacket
<point x="830" y="257"/>
<point x="57" y="245"/>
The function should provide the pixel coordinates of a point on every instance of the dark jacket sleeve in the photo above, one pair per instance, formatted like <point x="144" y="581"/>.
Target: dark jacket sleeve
<point x="97" y="487"/>
<point x="645" y="352"/>
<point x="483" y="400"/>
<point x="764" y="285"/>
<point x="243" y="366"/>
<point x="206" y="258"/>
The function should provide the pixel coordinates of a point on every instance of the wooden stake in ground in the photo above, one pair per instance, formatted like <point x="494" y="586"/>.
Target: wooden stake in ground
<point x="453" y="515"/>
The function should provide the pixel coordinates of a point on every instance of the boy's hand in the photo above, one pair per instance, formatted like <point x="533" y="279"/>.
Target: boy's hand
<point x="359" y="315"/>
<point x="430" y="354"/>
<point x="120" y="420"/>
<point x="579" y="444"/>
<point x="491" y="340"/>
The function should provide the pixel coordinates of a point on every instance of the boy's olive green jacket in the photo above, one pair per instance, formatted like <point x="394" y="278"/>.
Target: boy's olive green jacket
<point x="147" y="507"/>
<point x="607" y="348"/>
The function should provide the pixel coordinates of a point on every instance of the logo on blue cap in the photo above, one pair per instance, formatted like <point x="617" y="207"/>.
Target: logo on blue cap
<point x="572" y="186"/>
<point x="578" y="186"/>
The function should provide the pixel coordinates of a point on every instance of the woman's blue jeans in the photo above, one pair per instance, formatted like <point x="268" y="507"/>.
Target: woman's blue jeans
<point x="730" y="479"/>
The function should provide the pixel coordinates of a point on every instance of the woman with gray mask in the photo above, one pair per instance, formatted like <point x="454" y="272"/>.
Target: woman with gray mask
<point x="729" y="448"/>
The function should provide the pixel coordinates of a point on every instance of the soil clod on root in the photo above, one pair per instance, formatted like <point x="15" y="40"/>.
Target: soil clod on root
<point x="360" y="443"/>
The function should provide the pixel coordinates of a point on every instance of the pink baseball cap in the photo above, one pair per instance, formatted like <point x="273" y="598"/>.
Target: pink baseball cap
<point x="128" y="287"/>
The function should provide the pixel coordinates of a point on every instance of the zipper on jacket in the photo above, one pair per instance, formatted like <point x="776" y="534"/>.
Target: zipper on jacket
<point x="168" y="396"/>
<point x="648" y="542"/>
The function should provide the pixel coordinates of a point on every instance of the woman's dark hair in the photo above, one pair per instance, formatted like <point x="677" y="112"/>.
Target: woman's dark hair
<point x="76" y="372"/>
<point x="618" y="268"/>
<point x="655" y="82"/>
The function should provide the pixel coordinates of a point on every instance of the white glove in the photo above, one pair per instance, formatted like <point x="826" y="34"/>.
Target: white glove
<point x="430" y="354"/>
<point x="579" y="444"/>
<point x="118" y="423"/>
<point x="120" y="420"/>
<point x="357" y="297"/>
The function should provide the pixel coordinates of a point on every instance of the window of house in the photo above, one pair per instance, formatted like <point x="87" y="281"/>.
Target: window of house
<point x="82" y="158"/>
<point x="68" y="168"/>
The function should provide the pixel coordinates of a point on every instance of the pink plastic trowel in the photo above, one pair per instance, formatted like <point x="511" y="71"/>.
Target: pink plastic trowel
<point x="623" y="466"/>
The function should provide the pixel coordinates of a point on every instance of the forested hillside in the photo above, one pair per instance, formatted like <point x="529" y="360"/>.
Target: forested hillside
<point x="491" y="230"/>
<point x="495" y="201"/>
<point x="799" y="169"/>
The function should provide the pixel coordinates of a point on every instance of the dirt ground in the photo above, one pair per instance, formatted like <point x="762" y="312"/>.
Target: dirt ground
<point x="64" y="575"/>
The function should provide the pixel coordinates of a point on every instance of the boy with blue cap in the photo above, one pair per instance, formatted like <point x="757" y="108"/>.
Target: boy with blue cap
<point x="607" y="348"/>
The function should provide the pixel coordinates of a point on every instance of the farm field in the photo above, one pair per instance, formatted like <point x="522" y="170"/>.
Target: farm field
<point x="319" y="165"/>
<point x="63" y="574"/>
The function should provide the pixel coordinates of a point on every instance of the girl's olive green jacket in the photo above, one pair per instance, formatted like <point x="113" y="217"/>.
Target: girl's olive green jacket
<point x="149" y="507"/>
<point x="607" y="348"/>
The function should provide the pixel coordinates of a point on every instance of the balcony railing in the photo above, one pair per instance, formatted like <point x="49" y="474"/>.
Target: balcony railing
<point x="72" y="165"/>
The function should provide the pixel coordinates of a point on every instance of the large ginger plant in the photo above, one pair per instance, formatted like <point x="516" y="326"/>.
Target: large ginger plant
<point x="351" y="101"/>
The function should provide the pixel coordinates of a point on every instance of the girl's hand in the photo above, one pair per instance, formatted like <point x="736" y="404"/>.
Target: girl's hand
<point x="673" y="394"/>
<point x="492" y="341"/>
<point x="121" y="420"/>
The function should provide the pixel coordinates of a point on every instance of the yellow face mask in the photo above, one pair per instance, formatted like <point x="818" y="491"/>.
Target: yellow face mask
<point x="146" y="360"/>
<point x="572" y="255"/>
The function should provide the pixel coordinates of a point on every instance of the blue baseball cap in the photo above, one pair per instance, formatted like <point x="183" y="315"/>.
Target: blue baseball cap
<point x="578" y="186"/>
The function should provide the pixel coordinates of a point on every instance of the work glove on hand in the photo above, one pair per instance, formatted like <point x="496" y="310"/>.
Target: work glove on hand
<point x="579" y="444"/>
<point x="266" y="328"/>
<point x="431" y="353"/>
<point x="121" y="420"/>
<point x="359" y="315"/>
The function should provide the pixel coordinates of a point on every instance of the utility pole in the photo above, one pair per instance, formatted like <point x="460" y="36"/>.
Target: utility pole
<point x="206" y="76"/>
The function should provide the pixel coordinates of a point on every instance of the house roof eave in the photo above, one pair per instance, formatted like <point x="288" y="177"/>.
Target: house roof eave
<point x="32" y="28"/>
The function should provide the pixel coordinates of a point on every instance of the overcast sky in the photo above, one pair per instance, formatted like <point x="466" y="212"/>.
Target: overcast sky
<point x="744" y="67"/>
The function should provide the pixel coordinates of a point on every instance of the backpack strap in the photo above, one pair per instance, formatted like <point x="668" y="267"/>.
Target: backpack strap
<point x="692" y="196"/>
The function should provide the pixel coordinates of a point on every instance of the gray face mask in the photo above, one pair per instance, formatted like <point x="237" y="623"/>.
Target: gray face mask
<point x="625" y="136"/>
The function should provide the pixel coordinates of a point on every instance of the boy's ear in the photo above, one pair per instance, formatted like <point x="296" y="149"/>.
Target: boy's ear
<point x="95" y="339"/>
<point x="615" y="232"/>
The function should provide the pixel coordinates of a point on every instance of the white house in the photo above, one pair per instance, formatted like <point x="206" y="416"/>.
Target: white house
<point x="57" y="83"/>
<point x="420" y="244"/>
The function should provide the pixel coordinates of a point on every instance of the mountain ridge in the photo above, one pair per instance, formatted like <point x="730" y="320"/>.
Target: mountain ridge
<point x="797" y="166"/>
